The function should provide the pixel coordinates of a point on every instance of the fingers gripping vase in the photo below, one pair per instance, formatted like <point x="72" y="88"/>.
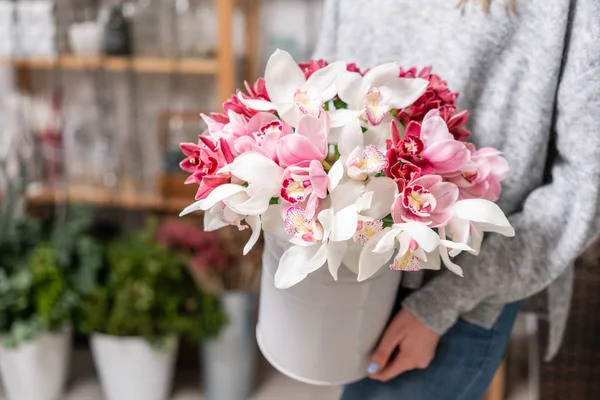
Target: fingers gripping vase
<point x="322" y="331"/>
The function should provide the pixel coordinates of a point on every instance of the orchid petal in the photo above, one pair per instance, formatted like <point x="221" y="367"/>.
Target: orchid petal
<point x="343" y="117"/>
<point x="297" y="262"/>
<point x="273" y="224"/>
<point x="447" y="156"/>
<point x="255" y="205"/>
<point x="387" y="241"/>
<point x="346" y="193"/>
<point x="323" y="78"/>
<point x="433" y="260"/>
<point x="336" y="173"/>
<point x="365" y="201"/>
<point x="294" y="149"/>
<point x="335" y="255"/>
<point x="446" y="259"/>
<point x="344" y="224"/>
<point x="459" y="229"/>
<point x="326" y="218"/>
<point x="219" y="194"/>
<point x="255" y="104"/>
<point x="254" y="223"/>
<point x="405" y="91"/>
<point x="488" y="216"/>
<point x="434" y="130"/>
<point x="350" y="88"/>
<point x="475" y="240"/>
<point x="351" y="138"/>
<point x="255" y="168"/>
<point x="283" y="77"/>
<point x="453" y="245"/>
<point x="382" y="74"/>
<point x="212" y="219"/>
<point x="384" y="191"/>
<point x="422" y="234"/>
<point x="370" y="262"/>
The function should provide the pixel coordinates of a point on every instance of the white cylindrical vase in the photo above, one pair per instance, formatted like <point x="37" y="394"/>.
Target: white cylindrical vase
<point x="323" y="331"/>
<point x="37" y="369"/>
<point x="130" y="368"/>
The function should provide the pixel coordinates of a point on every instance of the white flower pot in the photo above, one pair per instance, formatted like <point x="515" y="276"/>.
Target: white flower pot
<point x="322" y="331"/>
<point x="37" y="370"/>
<point x="130" y="368"/>
<point x="233" y="353"/>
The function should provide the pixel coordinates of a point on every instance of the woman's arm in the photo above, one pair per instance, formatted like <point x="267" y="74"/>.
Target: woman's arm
<point x="559" y="219"/>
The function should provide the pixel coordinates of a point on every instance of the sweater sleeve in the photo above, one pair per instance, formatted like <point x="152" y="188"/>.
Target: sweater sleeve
<point x="326" y="46"/>
<point x="558" y="220"/>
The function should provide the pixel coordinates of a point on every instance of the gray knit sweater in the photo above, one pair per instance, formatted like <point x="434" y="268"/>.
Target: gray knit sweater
<point x="531" y="81"/>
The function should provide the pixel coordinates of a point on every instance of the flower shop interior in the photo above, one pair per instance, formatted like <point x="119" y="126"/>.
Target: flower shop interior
<point x="101" y="282"/>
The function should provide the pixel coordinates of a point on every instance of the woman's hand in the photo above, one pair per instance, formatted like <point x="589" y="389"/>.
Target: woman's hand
<point x="406" y="344"/>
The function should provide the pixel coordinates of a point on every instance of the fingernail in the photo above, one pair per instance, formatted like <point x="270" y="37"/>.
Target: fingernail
<point x="373" y="368"/>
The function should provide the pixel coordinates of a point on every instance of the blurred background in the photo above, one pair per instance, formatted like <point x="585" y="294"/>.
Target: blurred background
<point x="104" y="291"/>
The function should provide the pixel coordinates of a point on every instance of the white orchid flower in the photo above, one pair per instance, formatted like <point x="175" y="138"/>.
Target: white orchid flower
<point x="316" y="243"/>
<point x="291" y="94"/>
<point x="362" y="155"/>
<point x="375" y="94"/>
<point x="418" y="244"/>
<point x="471" y="218"/>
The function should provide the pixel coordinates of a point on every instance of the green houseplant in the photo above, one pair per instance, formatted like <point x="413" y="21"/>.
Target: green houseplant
<point x="147" y="301"/>
<point x="44" y="277"/>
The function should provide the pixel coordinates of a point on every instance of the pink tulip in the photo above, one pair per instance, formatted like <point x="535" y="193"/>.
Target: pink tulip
<point x="203" y="160"/>
<point x="308" y="143"/>
<point x="428" y="200"/>
<point x="483" y="182"/>
<point x="305" y="185"/>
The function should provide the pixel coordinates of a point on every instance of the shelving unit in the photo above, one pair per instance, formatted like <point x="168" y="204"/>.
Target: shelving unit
<point x="116" y="64"/>
<point x="222" y="67"/>
<point x="105" y="198"/>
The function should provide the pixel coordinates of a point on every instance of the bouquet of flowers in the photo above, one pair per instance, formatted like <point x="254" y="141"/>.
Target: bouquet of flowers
<point x="348" y="167"/>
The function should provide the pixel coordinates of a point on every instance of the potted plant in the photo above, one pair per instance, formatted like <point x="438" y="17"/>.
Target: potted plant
<point x="215" y="263"/>
<point x="136" y="317"/>
<point x="42" y="282"/>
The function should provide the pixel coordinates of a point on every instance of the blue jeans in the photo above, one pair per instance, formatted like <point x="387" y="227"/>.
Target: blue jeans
<point x="463" y="367"/>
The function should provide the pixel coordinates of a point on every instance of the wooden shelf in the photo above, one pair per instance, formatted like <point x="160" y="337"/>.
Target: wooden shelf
<point x="105" y="198"/>
<point x="137" y="64"/>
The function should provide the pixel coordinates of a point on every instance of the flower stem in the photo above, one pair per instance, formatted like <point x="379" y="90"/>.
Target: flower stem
<point x="326" y="165"/>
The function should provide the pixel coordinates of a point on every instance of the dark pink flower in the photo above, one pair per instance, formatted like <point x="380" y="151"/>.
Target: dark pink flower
<point x="456" y="122"/>
<point x="310" y="67"/>
<point x="258" y="91"/>
<point x="203" y="160"/>
<point x="436" y="96"/>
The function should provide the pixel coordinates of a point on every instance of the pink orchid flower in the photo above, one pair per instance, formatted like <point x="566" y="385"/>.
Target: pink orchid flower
<point x="428" y="200"/>
<point x="305" y="184"/>
<point x="308" y="143"/>
<point x="430" y="146"/>
<point x="483" y="182"/>
<point x="203" y="161"/>
<point x="262" y="135"/>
